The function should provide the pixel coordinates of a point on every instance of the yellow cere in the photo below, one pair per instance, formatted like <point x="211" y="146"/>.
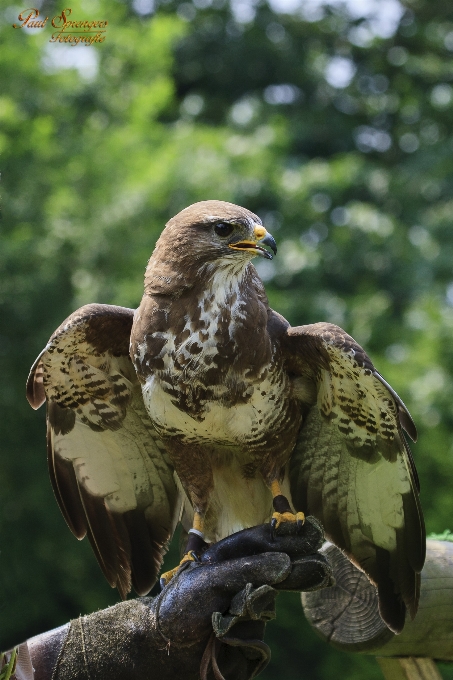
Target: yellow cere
<point x="260" y="232"/>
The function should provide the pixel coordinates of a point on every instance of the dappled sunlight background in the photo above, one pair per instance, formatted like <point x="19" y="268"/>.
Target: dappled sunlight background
<point x="331" y="121"/>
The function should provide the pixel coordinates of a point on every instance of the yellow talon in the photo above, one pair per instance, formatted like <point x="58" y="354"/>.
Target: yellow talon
<point x="281" y="517"/>
<point x="167" y="577"/>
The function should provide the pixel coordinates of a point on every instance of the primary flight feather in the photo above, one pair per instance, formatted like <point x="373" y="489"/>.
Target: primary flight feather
<point x="205" y="406"/>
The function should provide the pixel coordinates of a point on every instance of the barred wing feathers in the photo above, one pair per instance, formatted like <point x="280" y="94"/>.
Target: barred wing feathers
<point x="109" y="470"/>
<point x="352" y="468"/>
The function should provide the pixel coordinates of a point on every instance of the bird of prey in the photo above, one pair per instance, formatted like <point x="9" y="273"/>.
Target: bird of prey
<point x="205" y="406"/>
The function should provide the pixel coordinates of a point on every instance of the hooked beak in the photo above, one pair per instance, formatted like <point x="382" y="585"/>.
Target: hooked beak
<point x="263" y="237"/>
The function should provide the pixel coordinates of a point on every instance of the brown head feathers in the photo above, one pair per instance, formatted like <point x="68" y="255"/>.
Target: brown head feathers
<point x="195" y="237"/>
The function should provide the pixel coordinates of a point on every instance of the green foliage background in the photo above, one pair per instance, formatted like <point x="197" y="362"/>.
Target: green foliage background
<point x="354" y="182"/>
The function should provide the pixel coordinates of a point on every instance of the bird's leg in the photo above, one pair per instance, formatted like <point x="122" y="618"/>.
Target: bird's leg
<point x="195" y="543"/>
<point x="283" y="512"/>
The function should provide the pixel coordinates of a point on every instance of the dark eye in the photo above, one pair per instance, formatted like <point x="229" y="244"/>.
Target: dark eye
<point x="223" y="229"/>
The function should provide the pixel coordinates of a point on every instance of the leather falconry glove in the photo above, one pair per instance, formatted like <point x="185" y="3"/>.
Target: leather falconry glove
<point x="207" y="623"/>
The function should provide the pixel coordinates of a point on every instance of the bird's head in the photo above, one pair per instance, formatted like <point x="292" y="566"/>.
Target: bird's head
<point x="205" y="235"/>
<point x="211" y="230"/>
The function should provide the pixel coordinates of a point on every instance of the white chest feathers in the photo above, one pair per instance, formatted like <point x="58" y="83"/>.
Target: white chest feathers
<point x="235" y="424"/>
<point x="204" y="392"/>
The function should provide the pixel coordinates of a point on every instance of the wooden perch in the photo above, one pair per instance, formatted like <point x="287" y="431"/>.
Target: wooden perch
<point x="408" y="668"/>
<point x="347" y="616"/>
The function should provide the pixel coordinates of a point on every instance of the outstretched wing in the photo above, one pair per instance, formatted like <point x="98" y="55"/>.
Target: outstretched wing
<point x="110" y="472"/>
<point x="352" y="468"/>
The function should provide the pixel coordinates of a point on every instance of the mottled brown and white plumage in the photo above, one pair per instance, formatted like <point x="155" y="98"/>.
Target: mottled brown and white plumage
<point x="215" y="398"/>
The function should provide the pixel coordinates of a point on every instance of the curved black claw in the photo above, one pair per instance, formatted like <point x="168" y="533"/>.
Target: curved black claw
<point x="273" y="527"/>
<point x="195" y="557"/>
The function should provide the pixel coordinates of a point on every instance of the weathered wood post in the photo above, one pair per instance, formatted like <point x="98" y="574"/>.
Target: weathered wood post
<point x="347" y="616"/>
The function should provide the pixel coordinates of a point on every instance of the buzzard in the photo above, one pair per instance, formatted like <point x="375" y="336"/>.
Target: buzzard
<point x="205" y="406"/>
